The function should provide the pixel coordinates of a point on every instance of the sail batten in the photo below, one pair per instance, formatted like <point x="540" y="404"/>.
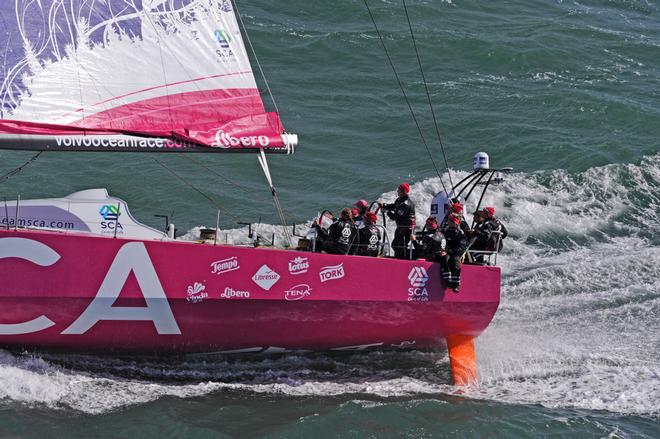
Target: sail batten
<point x="176" y="70"/>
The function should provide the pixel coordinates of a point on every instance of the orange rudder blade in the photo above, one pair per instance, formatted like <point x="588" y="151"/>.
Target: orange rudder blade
<point x="462" y="359"/>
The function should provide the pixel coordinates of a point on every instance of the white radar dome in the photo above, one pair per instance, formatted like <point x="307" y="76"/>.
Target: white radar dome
<point x="481" y="161"/>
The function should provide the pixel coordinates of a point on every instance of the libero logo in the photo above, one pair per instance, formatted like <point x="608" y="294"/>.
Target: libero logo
<point x="230" y="293"/>
<point x="265" y="277"/>
<point x="298" y="265"/>
<point x="298" y="292"/>
<point x="225" y="265"/>
<point x="332" y="272"/>
<point x="226" y="140"/>
<point x="418" y="277"/>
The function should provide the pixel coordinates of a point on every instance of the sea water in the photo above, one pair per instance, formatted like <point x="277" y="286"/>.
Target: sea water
<point x="564" y="92"/>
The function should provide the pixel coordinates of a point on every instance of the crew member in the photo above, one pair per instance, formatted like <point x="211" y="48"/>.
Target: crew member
<point x="431" y="243"/>
<point x="457" y="244"/>
<point x="340" y="236"/>
<point x="360" y="209"/>
<point x="456" y="208"/>
<point x="497" y="230"/>
<point x="402" y="211"/>
<point x="369" y="236"/>
<point x="480" y="236"/>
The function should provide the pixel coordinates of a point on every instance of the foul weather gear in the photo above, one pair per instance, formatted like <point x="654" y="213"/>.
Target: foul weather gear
<point x="431" y="245"/>
<point x="457" y="244"/>
<point x="368" y="243"/>
<point x="402" y="211"/>
<point x="339" y="238"/>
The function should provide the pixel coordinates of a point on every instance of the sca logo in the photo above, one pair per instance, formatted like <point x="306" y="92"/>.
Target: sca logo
<point x="110" y="214"/>
<point x="223" y="38"/>
<point x="417" y="291"/>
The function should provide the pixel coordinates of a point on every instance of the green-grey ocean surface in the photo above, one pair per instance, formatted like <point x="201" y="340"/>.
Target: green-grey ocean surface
<point x="565" y="92"/>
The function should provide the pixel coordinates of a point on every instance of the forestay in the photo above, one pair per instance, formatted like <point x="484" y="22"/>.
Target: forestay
<point x="130" y="75"/>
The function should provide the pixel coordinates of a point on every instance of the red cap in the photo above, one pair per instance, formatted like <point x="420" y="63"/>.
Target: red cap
<point x="490" y="211"/>
<point x="457" y="207"/>
<point x="405" y="187"/>
<point x="431" y="223"/>
<point x="371" y="217"/>
<point x="361" y="203"/>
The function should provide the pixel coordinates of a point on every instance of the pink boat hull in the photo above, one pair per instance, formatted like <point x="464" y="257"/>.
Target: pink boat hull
<point x="85" y="293"/>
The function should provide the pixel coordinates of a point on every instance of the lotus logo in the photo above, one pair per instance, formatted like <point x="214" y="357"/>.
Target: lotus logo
<point x="418" y="277"/>
<point x="298" y="265"/>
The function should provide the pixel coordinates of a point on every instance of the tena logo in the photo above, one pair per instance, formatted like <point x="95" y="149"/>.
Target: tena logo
<point x="225" y="265"/>
<point x="196" y="293"/>
<point x="418" y="278"/>
<point x="265" y="277"/>
<point x="298" y="265"/>
<point x="298" y="292"/>
<point x="332" y="272"/>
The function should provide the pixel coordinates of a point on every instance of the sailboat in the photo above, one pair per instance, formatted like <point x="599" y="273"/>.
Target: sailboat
<point x="186" y="85"/>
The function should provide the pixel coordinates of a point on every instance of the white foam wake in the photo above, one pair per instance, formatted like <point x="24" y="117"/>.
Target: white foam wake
<point x="578" y="325"/>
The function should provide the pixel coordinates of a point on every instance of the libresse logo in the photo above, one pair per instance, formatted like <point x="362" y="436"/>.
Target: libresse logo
<point x="298" y="265"/>
<point x="225" y="265"/>
<point x="418" y="277"/>
<point x="332" y="272"/>
<point x="298" y="292"/>
<point x="265" y="277"/>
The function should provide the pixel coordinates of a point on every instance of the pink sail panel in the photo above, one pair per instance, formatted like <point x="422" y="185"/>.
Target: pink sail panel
<point x="79" y="292"/>
<point x="173" y="70"/>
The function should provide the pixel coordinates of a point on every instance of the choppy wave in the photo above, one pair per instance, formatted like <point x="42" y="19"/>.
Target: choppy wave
<point x="578" y="326"/>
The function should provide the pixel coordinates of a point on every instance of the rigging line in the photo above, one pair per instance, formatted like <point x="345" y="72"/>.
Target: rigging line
<point x="405" y="96"/>
<point x="212" y="171"/>
<point x="192" y="186"/>
<point x="254" y="53"/>
<point x="162" y="63"/>
<point x="428" y="94"/>
<point x="10" y="174"/>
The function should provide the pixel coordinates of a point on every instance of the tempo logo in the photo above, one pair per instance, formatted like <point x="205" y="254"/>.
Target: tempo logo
<point x="225" y="265"/>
